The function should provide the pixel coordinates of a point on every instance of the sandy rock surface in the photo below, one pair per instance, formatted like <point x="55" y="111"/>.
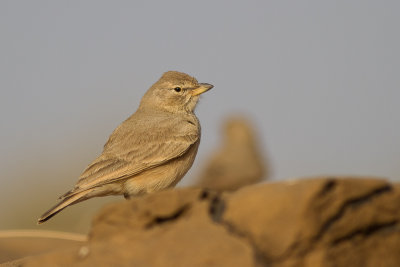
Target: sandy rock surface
<point x="323" y="221"/>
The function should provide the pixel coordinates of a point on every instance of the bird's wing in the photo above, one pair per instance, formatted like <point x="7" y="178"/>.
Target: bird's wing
<point x="130" y="151"/>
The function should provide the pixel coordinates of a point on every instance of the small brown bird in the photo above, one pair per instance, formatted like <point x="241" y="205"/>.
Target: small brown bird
<point x="151" y="150"/>
<point x="237" y="162"/>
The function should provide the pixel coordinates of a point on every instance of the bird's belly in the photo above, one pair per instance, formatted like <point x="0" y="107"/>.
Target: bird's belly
<point x="161" y="177"/>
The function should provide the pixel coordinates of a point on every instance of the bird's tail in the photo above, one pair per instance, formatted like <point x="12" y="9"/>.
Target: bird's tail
<point x="62" y="205"/>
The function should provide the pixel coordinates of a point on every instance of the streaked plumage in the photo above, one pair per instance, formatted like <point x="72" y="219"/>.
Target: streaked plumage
<point x="151" y="150"/>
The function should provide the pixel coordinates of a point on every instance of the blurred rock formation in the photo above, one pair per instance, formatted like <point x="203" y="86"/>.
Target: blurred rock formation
<point x="238" y="162"/>
<point x="309" y="222"/>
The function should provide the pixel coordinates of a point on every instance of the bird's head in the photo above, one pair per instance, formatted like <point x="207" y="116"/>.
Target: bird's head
<point x="174" y="92"/>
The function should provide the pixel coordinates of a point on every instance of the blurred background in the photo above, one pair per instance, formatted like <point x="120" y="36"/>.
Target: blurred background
<point x="317" y="79"/>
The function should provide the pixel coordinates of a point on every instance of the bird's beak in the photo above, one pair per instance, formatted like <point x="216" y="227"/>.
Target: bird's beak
<point x="203" y="87"/>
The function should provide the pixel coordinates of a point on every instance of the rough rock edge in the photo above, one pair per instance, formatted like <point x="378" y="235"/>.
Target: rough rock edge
<point x="216" y="210"/>
<point x="217" y="207"/>
<point x="348" y="204"/>
<point x="294" y="252"/>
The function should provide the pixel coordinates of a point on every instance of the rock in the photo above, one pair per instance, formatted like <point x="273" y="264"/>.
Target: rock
<point x="238" y="162"/>
<point x="324" y="221"/>
<point x="169" y="228"/>
<point x="17" y="244"/>
<point x="303" y="217"/>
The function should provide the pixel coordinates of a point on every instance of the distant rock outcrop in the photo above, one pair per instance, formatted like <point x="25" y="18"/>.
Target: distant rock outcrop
<point x="308" y="222"/>
<point x="238" y="161"/>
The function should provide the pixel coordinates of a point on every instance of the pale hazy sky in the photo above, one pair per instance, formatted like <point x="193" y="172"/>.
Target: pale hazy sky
<point x="320" y="79"/>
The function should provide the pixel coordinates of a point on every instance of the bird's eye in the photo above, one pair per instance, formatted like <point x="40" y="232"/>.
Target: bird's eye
<point x="177" y="89"/>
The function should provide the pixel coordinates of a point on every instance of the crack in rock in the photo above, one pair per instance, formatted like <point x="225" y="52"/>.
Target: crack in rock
<point x="329" y="186"/>
<point x="366" y="232"/>
<point x="350" y="203"/>
<point x="164" y="219"/>
<point x="216" y="210"/>
<point x="204" y="194"/>
<point x="217" y="204"/>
